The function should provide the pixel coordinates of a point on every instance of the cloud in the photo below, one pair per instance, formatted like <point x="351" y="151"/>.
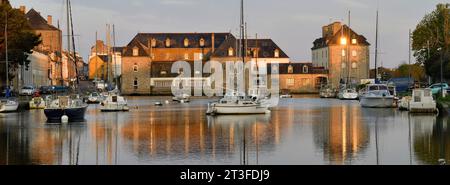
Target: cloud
<point x="352" y="3"/>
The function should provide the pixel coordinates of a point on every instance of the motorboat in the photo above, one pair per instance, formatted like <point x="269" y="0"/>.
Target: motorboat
<point x="95" y="98"/>
<point x="285" y="94"/>
<point x="8" y="105"/>
<point x="327" y="92"/>
<point x="377" y="96"/>
<point x="348" y="94"/>
<point x="237" y="104"/>
<point x="184" y="98"/>
<point x="71" y="106"/>
<point x="114" y="103"/>
<point x="422" y="102"/>
<point x="37" y="103"/>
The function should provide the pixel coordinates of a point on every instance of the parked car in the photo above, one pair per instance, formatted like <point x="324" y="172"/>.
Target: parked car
<point x="45" y="90"/>
<point x="436" y="88"/>
<point x="27" y="90"/>
<point x="59" y="89"/>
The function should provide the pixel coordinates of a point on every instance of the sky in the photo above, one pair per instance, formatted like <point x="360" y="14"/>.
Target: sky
<point x="292" y="24"/>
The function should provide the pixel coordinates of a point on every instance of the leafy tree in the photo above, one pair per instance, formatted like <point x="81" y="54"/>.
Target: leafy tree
<point x="417" y="72"/>
<point x="433" y="32"/>
<point x="21" y="39"/>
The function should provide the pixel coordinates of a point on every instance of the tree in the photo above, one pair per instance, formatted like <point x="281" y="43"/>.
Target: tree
<point x="21" y="39"/>
<point x="417" y="72"/>
<point x="433" y="32"/>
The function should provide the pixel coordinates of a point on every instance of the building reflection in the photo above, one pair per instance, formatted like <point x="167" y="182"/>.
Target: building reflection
<point x="341" y="133"/>
<point x="192" y="134"/>
<point x="431" y="139"/>
<point x="21" y="143"/>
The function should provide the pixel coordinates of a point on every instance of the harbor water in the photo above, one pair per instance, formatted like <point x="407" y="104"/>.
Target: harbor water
<point x="303" y="130"/>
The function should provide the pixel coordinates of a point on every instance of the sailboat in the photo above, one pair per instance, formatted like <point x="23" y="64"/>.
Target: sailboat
<point x="236" y="102"/>
<point x="377" y="95"/>
<point x="346" y="92"/>
<point x="71" y="107"/>
<point x="8" y="104"/>
<point x="113" y="101"/>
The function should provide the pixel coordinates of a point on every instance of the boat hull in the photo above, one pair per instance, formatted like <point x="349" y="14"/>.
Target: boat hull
<point x="348" y="96"/>
<point x="419" y="107"/>
<point x="5" y="108"/>
<point x="74" y="114"/>
<point x="377" y="102"/>
<point x="227" y="110"/>
<point x="115" y="108"/>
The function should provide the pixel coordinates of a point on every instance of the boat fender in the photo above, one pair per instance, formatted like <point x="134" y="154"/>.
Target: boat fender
<point x="64" y="119"/>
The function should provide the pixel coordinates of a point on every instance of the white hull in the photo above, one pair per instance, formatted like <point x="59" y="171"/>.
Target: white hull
<point x="11" y="106"/>
<point x="114" y="103"/>
<point x="114" y="107"/>
<point x="237" y="109"/>
<point x="348" y="96"/>
<point x="377" y="102"/>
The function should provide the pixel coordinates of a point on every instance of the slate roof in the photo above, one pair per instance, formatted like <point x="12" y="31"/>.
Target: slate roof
<point x="266" y="47"/>
<point x="37" y="22"/>
<point x="335" y="39"/>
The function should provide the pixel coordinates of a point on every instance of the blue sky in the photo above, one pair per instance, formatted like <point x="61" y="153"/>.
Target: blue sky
<point x="292" y="24"/>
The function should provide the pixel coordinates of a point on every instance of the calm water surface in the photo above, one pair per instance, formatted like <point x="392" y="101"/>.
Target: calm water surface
<point x="304" y="130"/>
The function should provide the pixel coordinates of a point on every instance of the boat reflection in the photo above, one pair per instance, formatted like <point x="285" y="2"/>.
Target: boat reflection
<point x="431" y="139"/>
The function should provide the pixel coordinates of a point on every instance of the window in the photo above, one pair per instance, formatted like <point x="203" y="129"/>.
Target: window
<point x="277" y="53"/>
<point x="305" y="69"/>
<point x="354" y="53"/>
<point x="354" y="41"/>
<point x="344" y="65"/>
<point x="202" y="42"/>
<point x="168" y="43"/>
<point x="354" y="65"/>
<point x="135" y="83"/>
<point x="230" y="52"/>
<point x="186" y="56"/>
<point x="135" y="67"/>
<point x="343" y="53"/>
<point x="153" y="42"/>
<point x="186" y="42"/>
<point x="290" y="69"/>
<point x="135" y="51"/>
<point x="290" y="82"/>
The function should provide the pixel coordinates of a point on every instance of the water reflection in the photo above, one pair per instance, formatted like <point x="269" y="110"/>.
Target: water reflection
<point x="304" y="130"/>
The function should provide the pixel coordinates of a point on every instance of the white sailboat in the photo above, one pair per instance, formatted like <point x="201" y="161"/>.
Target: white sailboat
<point x="348" y="94"/>
<point x="113" y="101"/>
<point x="237" y="102"/>
<point x="8" y="104"/>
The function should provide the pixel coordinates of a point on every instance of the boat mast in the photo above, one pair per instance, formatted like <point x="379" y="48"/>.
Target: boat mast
<point x="376" y="50"/>
<point x="108" y="50"/>
<point x="68" y="34"/>
<point x="73" y="44"/>
<point x="6" y="53"/>
<point x="114" y="54"/>
<point x="61" y="57"/>
<point x="349" y="67"/>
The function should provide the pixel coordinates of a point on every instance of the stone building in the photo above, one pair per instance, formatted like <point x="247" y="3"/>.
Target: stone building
<point x="147" y="60"/>
<point x="301" y="78"/>
<point x="103" y="60"/>
<point x="343" y="52"/>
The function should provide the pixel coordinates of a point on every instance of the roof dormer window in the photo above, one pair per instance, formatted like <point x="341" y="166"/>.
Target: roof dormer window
<point x="202" y="42"/>
<point x="354" y="41"/>
<point x="186" y="42"/>
<point x="290" y="69"/>
<point x="135" y="51"/>
<point x="277" y="53"/>
<point x="153" y="42"/>
<point x="230" y="52"/>
<point x="168" y="43"/>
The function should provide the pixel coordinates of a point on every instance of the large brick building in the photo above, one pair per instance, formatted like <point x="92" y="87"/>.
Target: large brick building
<point x="148" y="58"/>
<point x="343" y="52"/>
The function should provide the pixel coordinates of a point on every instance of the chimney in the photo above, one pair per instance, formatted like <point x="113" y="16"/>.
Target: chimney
<point x="50" y="20"/>
<point x="213" y="42"/>
<point x="22" y="9"/>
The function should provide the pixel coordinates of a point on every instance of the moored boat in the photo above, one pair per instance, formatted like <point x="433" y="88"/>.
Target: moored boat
<point x="235" y="104"/>
<point x="8" y="105"/>
<point x="376" y="96"/>
<point x="422" y="102"/>
<point x="37" y="103"/>
<point x="348" y="94"/>
<point x="114" y="103"/>
<point x="72" y="107"/>
<point x="327" y="92"/>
